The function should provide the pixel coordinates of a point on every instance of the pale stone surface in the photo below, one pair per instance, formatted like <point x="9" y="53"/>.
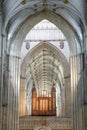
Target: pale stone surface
<point x="30" y="122"/>
<point x="22" y="97"/>
<point x="18" y="19"/>
<point x="0" y="75"/>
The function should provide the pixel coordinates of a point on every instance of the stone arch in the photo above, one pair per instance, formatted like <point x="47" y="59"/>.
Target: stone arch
<point x="57" y="52"/>
<point x="66" y="68"/>
<point x="14" y="44"/>
<point x="76" y="58"/>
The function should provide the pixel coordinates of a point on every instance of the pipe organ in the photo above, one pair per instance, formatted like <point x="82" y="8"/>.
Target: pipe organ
<point x="44" y="105"/>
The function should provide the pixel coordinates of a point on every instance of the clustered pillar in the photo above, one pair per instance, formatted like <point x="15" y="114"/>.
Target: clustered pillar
<point x="77" y="90"/>
<point x="0" y="74"/>
<point x="10" y="111"/>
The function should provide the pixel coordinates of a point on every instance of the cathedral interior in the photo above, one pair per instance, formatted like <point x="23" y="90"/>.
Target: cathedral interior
<point x="43" y="64"/>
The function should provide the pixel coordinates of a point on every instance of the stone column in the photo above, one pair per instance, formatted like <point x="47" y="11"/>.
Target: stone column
<point x="77" y="91"/>
<point x="4" y="82"/>
<point x="22" y="96"/>
<point x="5" y="100"/>
<point x="11" y="95"/>
<point x="58" y="101"/>
<point x="29" y="86"/>
<point x="85" y="84"/>
<point x="0" y="74"/>
<point x="67" y="96"/>
<point x="13" y="90"/>
<point x="17" y="92"/>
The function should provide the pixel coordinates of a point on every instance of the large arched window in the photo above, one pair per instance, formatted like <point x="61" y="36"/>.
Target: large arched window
<point x="44" y="105"/>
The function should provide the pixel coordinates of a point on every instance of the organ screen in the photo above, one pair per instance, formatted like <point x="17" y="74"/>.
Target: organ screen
<point x="44" y="105"/>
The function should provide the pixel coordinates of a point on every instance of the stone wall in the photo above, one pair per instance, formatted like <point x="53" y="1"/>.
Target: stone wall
<point x="54" y="123"/>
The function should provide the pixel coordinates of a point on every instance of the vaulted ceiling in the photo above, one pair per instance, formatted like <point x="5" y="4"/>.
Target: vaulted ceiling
<point x="16" y="11"/>
<point x="45" y="70"/>
<point x="46" y="66"/>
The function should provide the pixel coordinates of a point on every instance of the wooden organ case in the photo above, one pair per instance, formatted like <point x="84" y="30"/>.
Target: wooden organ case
<point x="44" y="105"/>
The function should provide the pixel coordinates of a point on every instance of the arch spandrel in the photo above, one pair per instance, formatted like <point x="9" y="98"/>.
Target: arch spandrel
<point x="17" y="39"/>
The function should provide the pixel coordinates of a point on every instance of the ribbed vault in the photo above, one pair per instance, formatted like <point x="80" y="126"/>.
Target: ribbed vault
<point x="44" y="69"/>
<point x="45" y="66"/>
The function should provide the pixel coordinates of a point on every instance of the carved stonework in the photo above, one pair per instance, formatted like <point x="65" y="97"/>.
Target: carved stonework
<point x="32" y="122"/>
<point x="43" y="122"/>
